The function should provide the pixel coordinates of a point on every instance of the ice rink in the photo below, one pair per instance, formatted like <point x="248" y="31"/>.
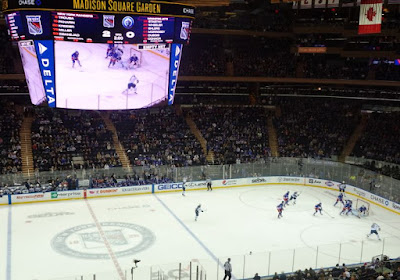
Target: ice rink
<point x="103" y="236"/>
<point x="97" y="86"/>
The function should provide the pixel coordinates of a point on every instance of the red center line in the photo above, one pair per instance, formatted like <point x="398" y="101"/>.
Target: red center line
<point x="108" y="246"/>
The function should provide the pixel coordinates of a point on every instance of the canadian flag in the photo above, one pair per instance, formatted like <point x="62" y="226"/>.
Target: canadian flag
<point x="370" y="17"/>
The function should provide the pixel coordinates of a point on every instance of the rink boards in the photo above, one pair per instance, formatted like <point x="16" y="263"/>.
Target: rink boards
<point x="200" y="185"/>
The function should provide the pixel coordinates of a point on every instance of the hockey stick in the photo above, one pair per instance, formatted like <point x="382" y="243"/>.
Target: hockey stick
<point x="328" y="214"/>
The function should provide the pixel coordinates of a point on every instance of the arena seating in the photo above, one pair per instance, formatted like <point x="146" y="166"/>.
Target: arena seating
<point x="63" y="140"/>
<point x="380" y="140"/>
<point x="314" y="128"/>
<point x="10" y="146"/>
<point x="234" y="134"/>
<point x="157" y="137"/>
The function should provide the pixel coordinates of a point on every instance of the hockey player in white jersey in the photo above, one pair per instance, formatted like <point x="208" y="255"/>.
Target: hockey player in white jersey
<point x="133" y="81"/>
<point x="294" y="197"/>
<point x="374" y="230"/>
<point x="197" y="211"/>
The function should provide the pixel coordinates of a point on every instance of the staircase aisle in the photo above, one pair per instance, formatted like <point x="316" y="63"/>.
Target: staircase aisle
<point x="354" y="138"/>
<point x="117" y="145"/>
<point x="26" y="147"/>
<point x="272" y="138"/>
<point x="203" y="142"/>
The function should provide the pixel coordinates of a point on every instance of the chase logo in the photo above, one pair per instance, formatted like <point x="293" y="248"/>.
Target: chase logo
<point x="128" y="22"/>
<point x="29" y="2"/>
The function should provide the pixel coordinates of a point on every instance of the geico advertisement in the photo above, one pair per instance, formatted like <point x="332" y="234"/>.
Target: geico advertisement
<point x="168" y="187"/>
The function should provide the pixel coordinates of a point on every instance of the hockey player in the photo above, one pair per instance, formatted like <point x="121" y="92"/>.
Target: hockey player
<point x="374" y="230"/>
<point x="318" y="207"/>
<point x="184" y="180"/>
<point x="280" y="209"/>
<point x="347" y="207"/>
<point x="197" y="211"/>
<point x="286" y="198"/>
<point x="294" y="197"/>
<point x="116" y="57"/>
<point x="209" y="188"/>
<point x="75" y="58"/>
<point x="133" y="61"/>
<point x="133" y="81"/>
<point x="362" y="210"/>
<point x="339" y="199"/>
<point x="342" y="187"/>
<point x="110" y="50"/>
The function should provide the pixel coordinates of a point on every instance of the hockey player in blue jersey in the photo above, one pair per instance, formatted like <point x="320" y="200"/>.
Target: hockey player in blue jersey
<point x="116" y="57"/>
<point x="362" y="210"/>
<point x="339" y="199"/>
<point x="286" y="198"/>
<point x="110" y="50"/>
<point x="133" y="61"/>
<point x="294" y="197"/>
<point x="280" y="209"/>
<point x="75" y="58"/>
<point x="318" y="207"/>
<point x="197" y="211"/>
<point x="347" y="207"/>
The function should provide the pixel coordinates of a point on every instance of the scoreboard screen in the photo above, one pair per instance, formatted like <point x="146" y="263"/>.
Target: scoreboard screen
<point x="97" y="54"/>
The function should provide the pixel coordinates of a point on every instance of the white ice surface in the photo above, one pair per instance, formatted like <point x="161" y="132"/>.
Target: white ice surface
<point x="96" y="86"/>
<point x="236" y="221"/>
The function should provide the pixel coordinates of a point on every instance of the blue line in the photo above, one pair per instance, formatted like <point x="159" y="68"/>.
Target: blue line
<point x="8" y="271"/>
<point x="190" y="232"/>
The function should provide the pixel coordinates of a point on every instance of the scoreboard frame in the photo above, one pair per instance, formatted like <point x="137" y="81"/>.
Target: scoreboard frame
<point x="148" y="8"/>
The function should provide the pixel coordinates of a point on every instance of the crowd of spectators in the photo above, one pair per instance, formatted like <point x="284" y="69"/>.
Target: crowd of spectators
<point x="233" y="134"/>
<point x="334" y="67"/>
<point x="384" y="269"/>
<point x="265" y="17"/>
<point x="391" y="170"/>
<point x="148" y="177"/>
<point x="313" y="128"/>
<point x="157" y="137"/>
<point x="10" y="145"/>
<point x="380" y="140"/>
<point x="63" y="140"/>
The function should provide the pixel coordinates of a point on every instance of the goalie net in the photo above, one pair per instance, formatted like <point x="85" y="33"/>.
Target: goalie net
<point x="361" y="202"/>
<point x="138" y="54"/>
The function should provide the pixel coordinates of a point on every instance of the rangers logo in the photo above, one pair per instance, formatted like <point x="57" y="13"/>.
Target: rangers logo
<point x="184" y="31"/>
<point x="128" y="22"/>
<point x="34" y="25"/>
<point x="108" y="21"/>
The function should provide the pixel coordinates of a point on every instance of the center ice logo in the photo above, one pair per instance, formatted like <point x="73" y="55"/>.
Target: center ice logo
<point x="85" y="241"/>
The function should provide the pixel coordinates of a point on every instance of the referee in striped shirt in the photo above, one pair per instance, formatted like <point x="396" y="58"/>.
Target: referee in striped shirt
<point x="228" y="269"/>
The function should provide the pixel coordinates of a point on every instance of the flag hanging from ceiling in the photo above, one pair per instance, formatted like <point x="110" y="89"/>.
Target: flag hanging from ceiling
<point x="370" y="17"/>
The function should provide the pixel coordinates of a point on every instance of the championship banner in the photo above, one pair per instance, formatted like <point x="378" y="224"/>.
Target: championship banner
<point x="333" y="3"/>
<point x="305" y="4"/>
<point x="320" y="4"/>
<point x="370" y="17"/>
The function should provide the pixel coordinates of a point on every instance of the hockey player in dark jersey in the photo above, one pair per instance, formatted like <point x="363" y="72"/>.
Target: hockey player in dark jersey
<point x="75" y="58"/>
<point x="339" y="199"/>
<point x="318" y="208"/>
<point x="279" y="208"/>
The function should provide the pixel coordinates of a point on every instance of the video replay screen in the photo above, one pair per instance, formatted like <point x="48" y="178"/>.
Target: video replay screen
<point x="110" y="77"/>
